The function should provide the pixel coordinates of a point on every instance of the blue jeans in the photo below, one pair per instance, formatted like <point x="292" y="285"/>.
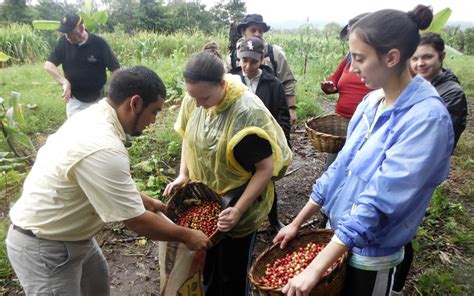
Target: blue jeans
<point x="47" y="267"/>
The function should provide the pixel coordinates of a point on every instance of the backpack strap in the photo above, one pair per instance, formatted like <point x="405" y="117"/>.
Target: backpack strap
<point x="272" y="58"/>
<point x="233" y="58"/>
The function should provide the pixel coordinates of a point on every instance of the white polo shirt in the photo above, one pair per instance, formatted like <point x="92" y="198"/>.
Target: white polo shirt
<point x="80" y="180"/>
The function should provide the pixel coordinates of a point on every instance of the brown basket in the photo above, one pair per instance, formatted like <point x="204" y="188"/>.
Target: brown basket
<point x="332" y="284"/>
<point x="327" y="133"/>
<point x="189" y="195"/>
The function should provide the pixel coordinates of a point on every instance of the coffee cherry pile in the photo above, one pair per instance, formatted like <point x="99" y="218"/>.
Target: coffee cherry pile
<point x="201" y="217"/>
<point x="283" y="269"/>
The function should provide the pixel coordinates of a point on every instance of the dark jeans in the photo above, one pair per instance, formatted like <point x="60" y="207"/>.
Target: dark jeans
<point x="227" y="264"/>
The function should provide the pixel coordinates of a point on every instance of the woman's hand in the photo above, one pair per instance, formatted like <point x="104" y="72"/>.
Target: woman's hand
<point x="285" y="235"/>
<point x="303" y="283"/>
<point x="228" y="218"/>
<point x="178" y="182"/>
<point x="328" y="87"/>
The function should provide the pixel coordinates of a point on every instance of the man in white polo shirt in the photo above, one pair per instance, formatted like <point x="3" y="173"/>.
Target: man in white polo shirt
<point x="81" y="180"/>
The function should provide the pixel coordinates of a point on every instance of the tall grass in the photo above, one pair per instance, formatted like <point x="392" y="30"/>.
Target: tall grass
<point x="135" y="49"/>
<point x="23" y="44"/>
<point x="313" y="58"/>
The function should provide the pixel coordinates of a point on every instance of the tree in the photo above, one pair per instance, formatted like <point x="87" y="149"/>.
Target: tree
<point x="332" y="29"/>
<point x="52" y="10"/>
<point x="15" y="11"/>
<point x="469" y="41"/>
<point x="190" y="16"/>
<point x="124" y="13"/>
<point x="152" y="16"/>
<point x="233" y="10"/>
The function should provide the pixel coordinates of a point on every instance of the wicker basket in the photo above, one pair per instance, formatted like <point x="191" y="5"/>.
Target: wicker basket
<point x="328" y="132"/>
<point x="191" y="195"/>
<point x="332" y="284"/>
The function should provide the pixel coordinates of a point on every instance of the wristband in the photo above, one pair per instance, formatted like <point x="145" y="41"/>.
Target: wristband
<point x="292" y="107"/>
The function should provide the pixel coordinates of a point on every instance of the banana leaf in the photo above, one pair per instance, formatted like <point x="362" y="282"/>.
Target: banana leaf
<point x="45" y="25"/>
<point x="439" y="21"/>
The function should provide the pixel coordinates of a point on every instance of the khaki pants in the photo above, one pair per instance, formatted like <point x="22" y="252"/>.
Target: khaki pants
<point x="46" y="267"/>
<point x="74" y="106"/>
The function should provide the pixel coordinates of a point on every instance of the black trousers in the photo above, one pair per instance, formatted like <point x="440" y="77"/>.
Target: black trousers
<point x="403" y="268"/>
<point x="227" y="264"/>
<point x="366" y="283"/>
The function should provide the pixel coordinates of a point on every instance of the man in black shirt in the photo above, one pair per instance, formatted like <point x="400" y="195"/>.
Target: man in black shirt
<point x="84" y="57"/>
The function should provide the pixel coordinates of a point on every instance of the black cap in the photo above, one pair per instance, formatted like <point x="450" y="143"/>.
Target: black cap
<point x="251" y="47"/>
<point x="69" y="22"/>
<point x="344" y="35"/>
<point x="252" y="18"/>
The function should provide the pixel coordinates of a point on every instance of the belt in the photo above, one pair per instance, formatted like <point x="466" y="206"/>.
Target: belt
<point x="24" y="231"/>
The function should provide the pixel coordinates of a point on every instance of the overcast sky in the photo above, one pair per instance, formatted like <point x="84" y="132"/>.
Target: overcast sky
<point x="341" y="11"/>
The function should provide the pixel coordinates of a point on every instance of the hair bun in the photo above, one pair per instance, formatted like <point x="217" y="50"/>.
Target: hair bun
<point x="422" y="16"/>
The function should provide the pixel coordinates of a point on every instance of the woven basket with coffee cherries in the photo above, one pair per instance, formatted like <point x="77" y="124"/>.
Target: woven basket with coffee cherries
<point x="196" y="206"/>
<point x="332" y="282"/>
<point x="327" y="133"/>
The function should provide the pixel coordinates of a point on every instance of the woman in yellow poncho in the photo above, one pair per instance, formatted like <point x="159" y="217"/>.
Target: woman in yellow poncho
<point x="229" y="139"/>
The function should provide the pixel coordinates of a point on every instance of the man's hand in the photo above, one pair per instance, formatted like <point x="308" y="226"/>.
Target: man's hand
<point x="198" y="241"/>
<point x="151" y="204"/>
<point x="66" y="91"/>
<point x="292" y="116"/>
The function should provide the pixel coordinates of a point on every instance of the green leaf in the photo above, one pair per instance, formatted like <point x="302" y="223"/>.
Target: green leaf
<point x="415" y="245"/>
<point x="88" y="7"/>
<point x="439" y="21"/>
<point x="4" y="154"/>
<point x="4" y="57"/>
<point x="100" y="17"/>
<point x="15" y="111"/>
<point x="88" y="22"/>
<point x="45" y="25"/>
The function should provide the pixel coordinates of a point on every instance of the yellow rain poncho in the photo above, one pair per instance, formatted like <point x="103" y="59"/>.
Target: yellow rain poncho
<point x="210" y="136"/>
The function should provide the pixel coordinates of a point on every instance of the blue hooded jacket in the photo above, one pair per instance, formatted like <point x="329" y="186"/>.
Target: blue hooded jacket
<point x="377" y="190"/>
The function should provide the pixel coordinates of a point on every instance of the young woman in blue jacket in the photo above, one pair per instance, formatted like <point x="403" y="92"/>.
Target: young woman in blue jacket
<point x="397" y="151"/>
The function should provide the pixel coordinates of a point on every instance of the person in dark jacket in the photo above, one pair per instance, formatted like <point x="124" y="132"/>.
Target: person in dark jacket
<point x="260" y="79"/>
<point x="253" y="25"/>
<point x="428" y="62"/>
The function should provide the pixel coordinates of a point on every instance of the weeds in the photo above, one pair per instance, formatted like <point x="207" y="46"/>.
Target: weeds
<point x="153" y="155"/>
